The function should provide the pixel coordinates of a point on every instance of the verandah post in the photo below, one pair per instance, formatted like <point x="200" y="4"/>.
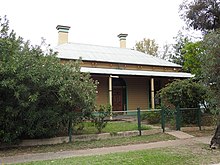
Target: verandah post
<point x="110" y="94"/>
<point x="152" y="94"/>
<point x="139" y="120"/>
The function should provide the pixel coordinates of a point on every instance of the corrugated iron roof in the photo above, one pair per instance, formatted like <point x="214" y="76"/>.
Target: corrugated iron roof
<point x="109" y="54"/>
<point x="136" y="72"/>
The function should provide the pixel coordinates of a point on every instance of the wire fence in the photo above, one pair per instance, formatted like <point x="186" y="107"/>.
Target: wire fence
<point x="173" y="118"/>
<point x="164" y="118"/>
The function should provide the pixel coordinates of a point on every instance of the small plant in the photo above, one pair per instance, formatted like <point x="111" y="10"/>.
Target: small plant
<point x="78" y="128"/>
<point x="99" y="118"/>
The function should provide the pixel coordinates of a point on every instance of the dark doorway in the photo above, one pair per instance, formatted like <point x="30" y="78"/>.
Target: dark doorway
<point x="117" y="99"/>
<point x="119" y="95"/>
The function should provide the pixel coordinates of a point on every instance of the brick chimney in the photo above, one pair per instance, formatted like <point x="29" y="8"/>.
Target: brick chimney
<point x="122" y="38"/>
<point x="62" y="34"/>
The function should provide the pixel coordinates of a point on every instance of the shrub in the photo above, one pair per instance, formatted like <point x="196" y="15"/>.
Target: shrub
<point x="78" y="128"/>
<point x="38" y="93"/>
<point x="183" y="93"/>
<point x="151" y="117"/>
<point x="189" y="117"/>
<point x="99" y="117"/>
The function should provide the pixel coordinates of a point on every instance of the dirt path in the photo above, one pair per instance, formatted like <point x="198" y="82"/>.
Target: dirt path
<point x="104" y="150"/>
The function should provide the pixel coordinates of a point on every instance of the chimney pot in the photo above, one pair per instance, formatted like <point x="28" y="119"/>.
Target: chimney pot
<point x="62" y="34"/>
<point x="122" y="38"/>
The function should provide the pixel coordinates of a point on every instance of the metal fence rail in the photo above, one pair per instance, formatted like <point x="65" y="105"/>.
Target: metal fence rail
<point x="165" y="113"/>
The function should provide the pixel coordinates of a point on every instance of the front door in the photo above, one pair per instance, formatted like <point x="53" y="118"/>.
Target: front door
<point x="117" y="99"/>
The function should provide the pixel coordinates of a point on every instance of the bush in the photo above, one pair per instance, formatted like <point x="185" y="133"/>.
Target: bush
<point x="78" y="128"/>
<point x="38" y="93"/>
<point x="151" y="117"/>
<point x="189" y="116"/>
<point x="100" y="116"/>
<point x="183" y="93"/>
<point x="41" y="124"/>
<point x="209" y="119"/>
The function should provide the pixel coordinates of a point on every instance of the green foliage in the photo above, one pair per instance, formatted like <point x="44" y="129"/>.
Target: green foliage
<point x="189" y="116"/>
<point x="78" y="128"/>
<point x="204" y="15"/>
<point x="77" y="90"/>
<point x="183" y="93"/>
<point x="178" y="55"/>
<point x="188" y="55"/>
<point x="201" y="15"/>
<point x="211" y="68"/>
<point x="151" y="117"/>
<point x="38" y="94"/>
<point x="192" y="58"/>
<point x="100" y="116"/>
<point x="147" y="46"/>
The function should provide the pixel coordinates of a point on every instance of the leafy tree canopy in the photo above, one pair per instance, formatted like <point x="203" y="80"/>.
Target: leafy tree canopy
<point x="147" y="46"/>
<point x="179" y="52"/>
<point x="183" y="93"/>
<point x="211" y="67"/>
<point x="201" y="15"/>
<point x="192" y="58"/>
<point x="37" y="92"/>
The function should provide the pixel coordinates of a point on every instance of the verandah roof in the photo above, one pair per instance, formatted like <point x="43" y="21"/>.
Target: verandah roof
<point x="135" y="72"/>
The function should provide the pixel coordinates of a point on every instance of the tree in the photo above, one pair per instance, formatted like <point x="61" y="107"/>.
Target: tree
<point x="37" y="92"/>
<point x="192" y="58"/>
<point x="201" y="15"/>
<point x="179" y="52"/>
<point x="147" y="46"/>
<point x="204" y="15"/>
<point x="211" y="68"/>
<point x="166" y="51"/>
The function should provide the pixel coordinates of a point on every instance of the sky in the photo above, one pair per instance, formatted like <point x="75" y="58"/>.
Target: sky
<point x="95" y="22"/>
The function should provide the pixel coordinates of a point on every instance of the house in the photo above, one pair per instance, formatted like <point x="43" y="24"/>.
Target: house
<point x="127" y="78"/>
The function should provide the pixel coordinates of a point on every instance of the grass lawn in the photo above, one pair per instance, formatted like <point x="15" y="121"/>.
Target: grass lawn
<point x="112" y="127"/>
<point x="190" y="155"/>
<point x="87" y="144"/>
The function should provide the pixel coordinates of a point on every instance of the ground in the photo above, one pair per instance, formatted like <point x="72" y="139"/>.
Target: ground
<point x="197" y="147"/>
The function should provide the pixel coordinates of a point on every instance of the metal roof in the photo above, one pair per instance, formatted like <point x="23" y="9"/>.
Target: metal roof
<point x="108" y="54"/>
<point x="135" y="72"/>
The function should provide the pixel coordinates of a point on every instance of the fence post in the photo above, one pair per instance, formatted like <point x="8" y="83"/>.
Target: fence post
<point x="163" y="118"/>
<point x="70" y="129"/>
<point x="199" y="117"/>
<point x="139" y="120"/>
<point x="178" y="118"/>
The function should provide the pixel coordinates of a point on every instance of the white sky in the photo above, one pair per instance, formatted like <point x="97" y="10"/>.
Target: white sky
<point x="94" y="21"/>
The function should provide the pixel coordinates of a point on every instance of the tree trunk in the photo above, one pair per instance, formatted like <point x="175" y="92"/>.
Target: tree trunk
<point x="215" y="141"/>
